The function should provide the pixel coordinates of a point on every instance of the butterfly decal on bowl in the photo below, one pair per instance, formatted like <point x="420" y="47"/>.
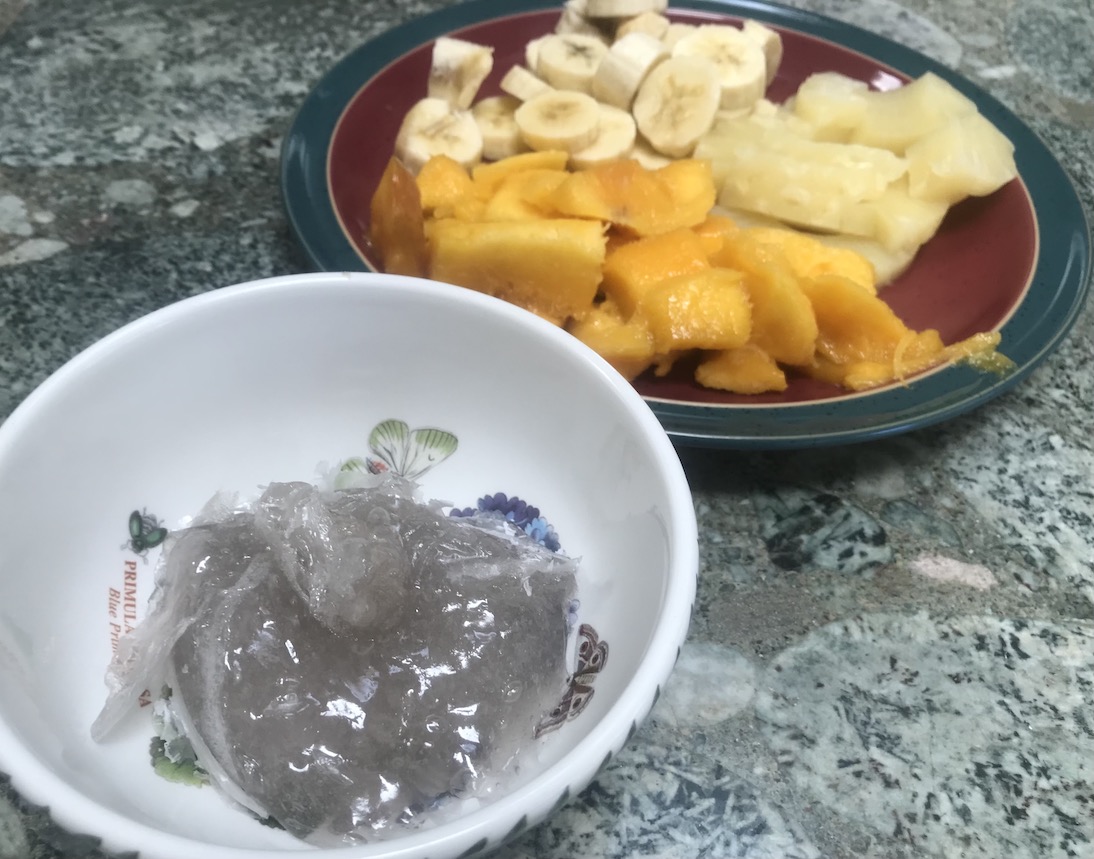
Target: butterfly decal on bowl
<point x="146" y="532"/>
<point x="397" y="449"/>
<point x="592" y="655"/>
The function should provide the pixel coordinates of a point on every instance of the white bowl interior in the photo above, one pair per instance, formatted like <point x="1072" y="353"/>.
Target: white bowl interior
<point x="264" y="382"/>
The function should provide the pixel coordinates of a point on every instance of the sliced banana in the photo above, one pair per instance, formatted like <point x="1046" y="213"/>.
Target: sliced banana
<point x="574" y="20"/>
<point x="560" y="119"/>
<point x="497" y="123"/>
<point x="615" y="137"/>
<point x="433" y="127"/>
<point x="742" y="68"/>
<point x="521" y="83"/>
<point x="457" y="70"/>
<point x="624" y="67"/>
<point x="676" y="103"/>
<point x="531" y="51"/>
<point x="651" y="23"/>
<point x="647" y="156"/>
<point x="675" y="32"/>
<point x="622" y="8"/>
<point x="570" y="61"/>
<point x="770" y="42"/>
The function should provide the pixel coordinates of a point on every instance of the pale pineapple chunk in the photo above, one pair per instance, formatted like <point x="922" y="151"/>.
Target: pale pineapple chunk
<point x="800" y="181"/>
<point x="896" y="219"/>
<point x="968" y="156"/>
<point x="832" y="103"/>
<point x="897" y="118"/>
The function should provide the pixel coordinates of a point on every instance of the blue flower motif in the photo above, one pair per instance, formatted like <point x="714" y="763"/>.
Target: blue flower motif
<point x="522" y="514"/>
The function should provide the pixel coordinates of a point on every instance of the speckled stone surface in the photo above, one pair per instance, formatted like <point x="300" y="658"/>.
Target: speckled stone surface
<point x="892" y="653"/>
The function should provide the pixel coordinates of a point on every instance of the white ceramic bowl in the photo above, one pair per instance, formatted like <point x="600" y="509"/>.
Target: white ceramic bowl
<point x="265" y="381"/>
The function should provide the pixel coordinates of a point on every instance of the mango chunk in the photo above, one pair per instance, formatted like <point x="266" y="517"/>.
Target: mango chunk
<point x="524" y="196"/>
<point x="443" y="182"/>
<point x="634" y="268"/>
<point x="626" y="344"/>
<point x="647" y="202"/>
<point x="809" y="257"/>
<point x="783" y="322"/>
<point x="397" y="231"/>
<point x="487" y="178"/>
<point x="703" y="310"/>
<point x="506" y="259"/>
<point x="744" y="370"/>
<point x="853" y="325"/>
<point x="713" y="232"/>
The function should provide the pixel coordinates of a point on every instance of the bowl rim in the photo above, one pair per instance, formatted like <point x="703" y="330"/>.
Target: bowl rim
<point x="76" y="810"/>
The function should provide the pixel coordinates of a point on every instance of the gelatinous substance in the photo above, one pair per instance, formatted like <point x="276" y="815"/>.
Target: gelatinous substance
<point x="348" y="661"/>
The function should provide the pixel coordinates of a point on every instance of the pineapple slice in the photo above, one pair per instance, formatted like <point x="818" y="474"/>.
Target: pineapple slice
<point x="805" y="182"/>
<point x="968" y="156"/>
<point x="897" y="118"/>
<point x="832" y="103"/>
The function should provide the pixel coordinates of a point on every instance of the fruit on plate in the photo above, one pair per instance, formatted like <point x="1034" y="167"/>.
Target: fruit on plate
<point x="630" y="261"/>
<point x="883" y="167"/>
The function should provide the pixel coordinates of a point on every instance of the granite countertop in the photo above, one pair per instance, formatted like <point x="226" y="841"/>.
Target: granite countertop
<point x="892" y="653"/>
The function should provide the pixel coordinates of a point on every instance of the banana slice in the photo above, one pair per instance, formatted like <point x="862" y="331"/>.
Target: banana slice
<point x="742" y="68"/>
<point x="647" y="156"/>
<point x="433" y="127"/>
<point x="615" y="137"/>
<point x="531" y="51"/>
<point x="675" y="32"/>
<point x="574" y="20"/>
<point x="624" y="67"/>
<point x="569" y="62"/>
<point x="770" y="42"/>
<point x="651" y="23"/>
<point x="676" y="103"/>
<point x="559" y="119"/>
<point x="622" y="8"/>
<point x="521" y="83"/>
<point x="457" y="71"/>
<point x="497" y="123"/>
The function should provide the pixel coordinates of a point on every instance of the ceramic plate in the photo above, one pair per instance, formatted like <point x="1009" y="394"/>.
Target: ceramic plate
<point x="1018" y="260"/>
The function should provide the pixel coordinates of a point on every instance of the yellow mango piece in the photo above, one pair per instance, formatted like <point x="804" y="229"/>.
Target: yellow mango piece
<point x="488" y="177"/>
<point x="691" y="185"/>
<point x="713" y="232"/>
<point x="551" y="267"/>
<point x="809" y="257"/>
<point x="853" y="325"/>
<point x="626" y="344"/>
<point x="633" y="268"/>
<point x="704" y="310"/>
<point x="443" y="182"/>
<point x="524" y="196"/>
<point x="784" y="324"/>
<point x="747" y="369"/>
<point x="646" y="202"/>
<point x="469" y="208"/>
<point x="397" y="229"/>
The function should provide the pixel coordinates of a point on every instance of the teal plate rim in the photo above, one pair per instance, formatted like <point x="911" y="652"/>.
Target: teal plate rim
<point x="1058" y="287"/>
